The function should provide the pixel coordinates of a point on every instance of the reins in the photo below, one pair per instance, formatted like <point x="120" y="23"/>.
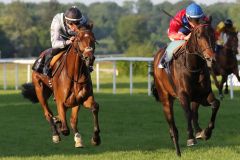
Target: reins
<point x="196" y="53"/>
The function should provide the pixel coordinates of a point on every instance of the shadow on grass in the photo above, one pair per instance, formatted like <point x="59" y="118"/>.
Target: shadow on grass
<point x="127" y="123"/>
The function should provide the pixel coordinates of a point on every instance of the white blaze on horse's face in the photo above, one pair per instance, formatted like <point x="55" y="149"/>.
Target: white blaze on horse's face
<point x="86" y="35"/>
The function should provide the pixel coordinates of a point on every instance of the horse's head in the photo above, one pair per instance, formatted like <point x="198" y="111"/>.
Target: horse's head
<point x="85" y="43"/>
<point x="202" y="41"/>
<point x="232" y="42"/>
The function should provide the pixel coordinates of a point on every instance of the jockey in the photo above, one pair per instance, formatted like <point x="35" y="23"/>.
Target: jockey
<point x="181" y="25"/>
<point x="221" y="31"/>
<point x="63" y="30"/>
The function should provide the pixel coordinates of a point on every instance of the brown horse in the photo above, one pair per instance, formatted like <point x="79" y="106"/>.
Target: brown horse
<point x="189" y="81"/>
<point x="226" y="62"/>
<point x="71" y="87"/>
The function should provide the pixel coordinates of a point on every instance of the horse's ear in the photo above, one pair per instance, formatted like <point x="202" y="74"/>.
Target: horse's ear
<point x="90" y="25"/>
<point x="209" y="19"/>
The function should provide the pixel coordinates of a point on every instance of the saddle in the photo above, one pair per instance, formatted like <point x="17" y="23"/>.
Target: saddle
<point x="44" y="56"/>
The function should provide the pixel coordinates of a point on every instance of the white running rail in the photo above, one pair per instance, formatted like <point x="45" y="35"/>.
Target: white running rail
<point x="29" y="62"/>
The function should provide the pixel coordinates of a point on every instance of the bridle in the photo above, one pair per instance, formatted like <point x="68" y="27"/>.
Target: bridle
<point x="79" y="52"/>
<point x="198" y="49"/>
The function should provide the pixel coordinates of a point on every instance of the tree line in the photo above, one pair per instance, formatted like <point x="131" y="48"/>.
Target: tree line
<point x="135" y="28"/>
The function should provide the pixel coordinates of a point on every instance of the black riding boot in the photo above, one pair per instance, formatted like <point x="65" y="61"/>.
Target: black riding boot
<point x="46" y="70"/>
<point x="38" y="65"/>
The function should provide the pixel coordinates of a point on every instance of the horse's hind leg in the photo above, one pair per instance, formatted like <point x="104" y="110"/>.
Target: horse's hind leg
<point x="43" y="93"/>
<point x="223" y="80"/>
<point x="226" y="88"/>
<point x="197" y="128"/>
<point x="168" y="112"/>
<point x="94" y="106"/>
<point x="215" y="103"/>
<point x="74" y="122"/>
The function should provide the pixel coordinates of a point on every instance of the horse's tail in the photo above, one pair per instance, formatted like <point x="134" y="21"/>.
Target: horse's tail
<point x="28" y="91"/>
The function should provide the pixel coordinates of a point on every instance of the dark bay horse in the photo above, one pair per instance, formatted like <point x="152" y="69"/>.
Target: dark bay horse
<point x="71" y="87"/>
<point x="226" y="62"/>
<point x="189" y="82"/>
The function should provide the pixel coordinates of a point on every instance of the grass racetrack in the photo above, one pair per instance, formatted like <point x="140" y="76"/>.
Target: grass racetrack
<point x="132" y="127"/>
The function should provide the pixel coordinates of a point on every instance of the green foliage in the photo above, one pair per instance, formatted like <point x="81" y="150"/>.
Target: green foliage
<point x="105" y="17"/>
<point x="234" y="14"/>
<point x="136" y="50"/>
<point x="24" y="27"/>
<point x="131" y="29"/>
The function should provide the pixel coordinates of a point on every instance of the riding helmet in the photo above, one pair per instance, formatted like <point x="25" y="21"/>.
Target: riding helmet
<point x="194" y="11"/>
<point x="73" y="14"/>
<point x="228" y="23"/>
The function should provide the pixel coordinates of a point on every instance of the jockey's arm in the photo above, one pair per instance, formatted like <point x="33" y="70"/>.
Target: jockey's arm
<point x="176" y="36"/>
<point x="173" y="31"/>
<point x="56" y="39"/>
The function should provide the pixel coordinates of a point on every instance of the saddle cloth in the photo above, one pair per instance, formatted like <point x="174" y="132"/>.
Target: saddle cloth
<point x="56" y="58"/>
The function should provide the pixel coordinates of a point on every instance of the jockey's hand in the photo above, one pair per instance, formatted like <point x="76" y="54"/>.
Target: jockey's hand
<point x="70" y="40"/>
<point x="187" y="37"/>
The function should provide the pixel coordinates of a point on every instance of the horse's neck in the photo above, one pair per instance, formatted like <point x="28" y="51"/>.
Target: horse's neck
<point x="191" y="45"/>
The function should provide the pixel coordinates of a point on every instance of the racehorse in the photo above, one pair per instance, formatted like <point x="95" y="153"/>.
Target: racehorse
<point x="189" y="81"/>
<point x="71" y="86"/>
<point x="226" y="62"/>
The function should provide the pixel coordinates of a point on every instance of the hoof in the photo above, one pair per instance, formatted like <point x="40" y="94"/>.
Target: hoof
<point x="198" y="135"/>
<point x="96" y="141"/>
<point x="65" y="132"/>
<point x="78" y="141"/>
<point x="79" y="145"/>
<point x="56" y="138"/>
<point x="191" y="142"/>
<point x="208" y="133"/>
<point x="204" y="134"/>
<point x="179" y="154"/>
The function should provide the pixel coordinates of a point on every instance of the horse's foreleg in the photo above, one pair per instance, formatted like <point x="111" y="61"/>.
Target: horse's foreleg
<point x="185" y="102"/>
<point x="94" y="106"/>
<point x="74" y="122"/>
<point x="215" y="103"/>
<point x="168" y="112"/>
<point x="197" y="128"/>
<point x="62" y="115"/>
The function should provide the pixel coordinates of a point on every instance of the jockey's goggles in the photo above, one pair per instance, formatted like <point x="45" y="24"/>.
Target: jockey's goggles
<point x="73" y="22"/>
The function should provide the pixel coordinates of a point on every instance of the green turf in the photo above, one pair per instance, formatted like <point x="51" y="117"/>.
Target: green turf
<point x="132" y="127"/>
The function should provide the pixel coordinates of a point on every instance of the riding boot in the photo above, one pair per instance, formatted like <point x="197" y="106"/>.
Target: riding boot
<point x="163" y="63"/>
<point x="38" y="65"/>
<point x="47" y="70"/>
